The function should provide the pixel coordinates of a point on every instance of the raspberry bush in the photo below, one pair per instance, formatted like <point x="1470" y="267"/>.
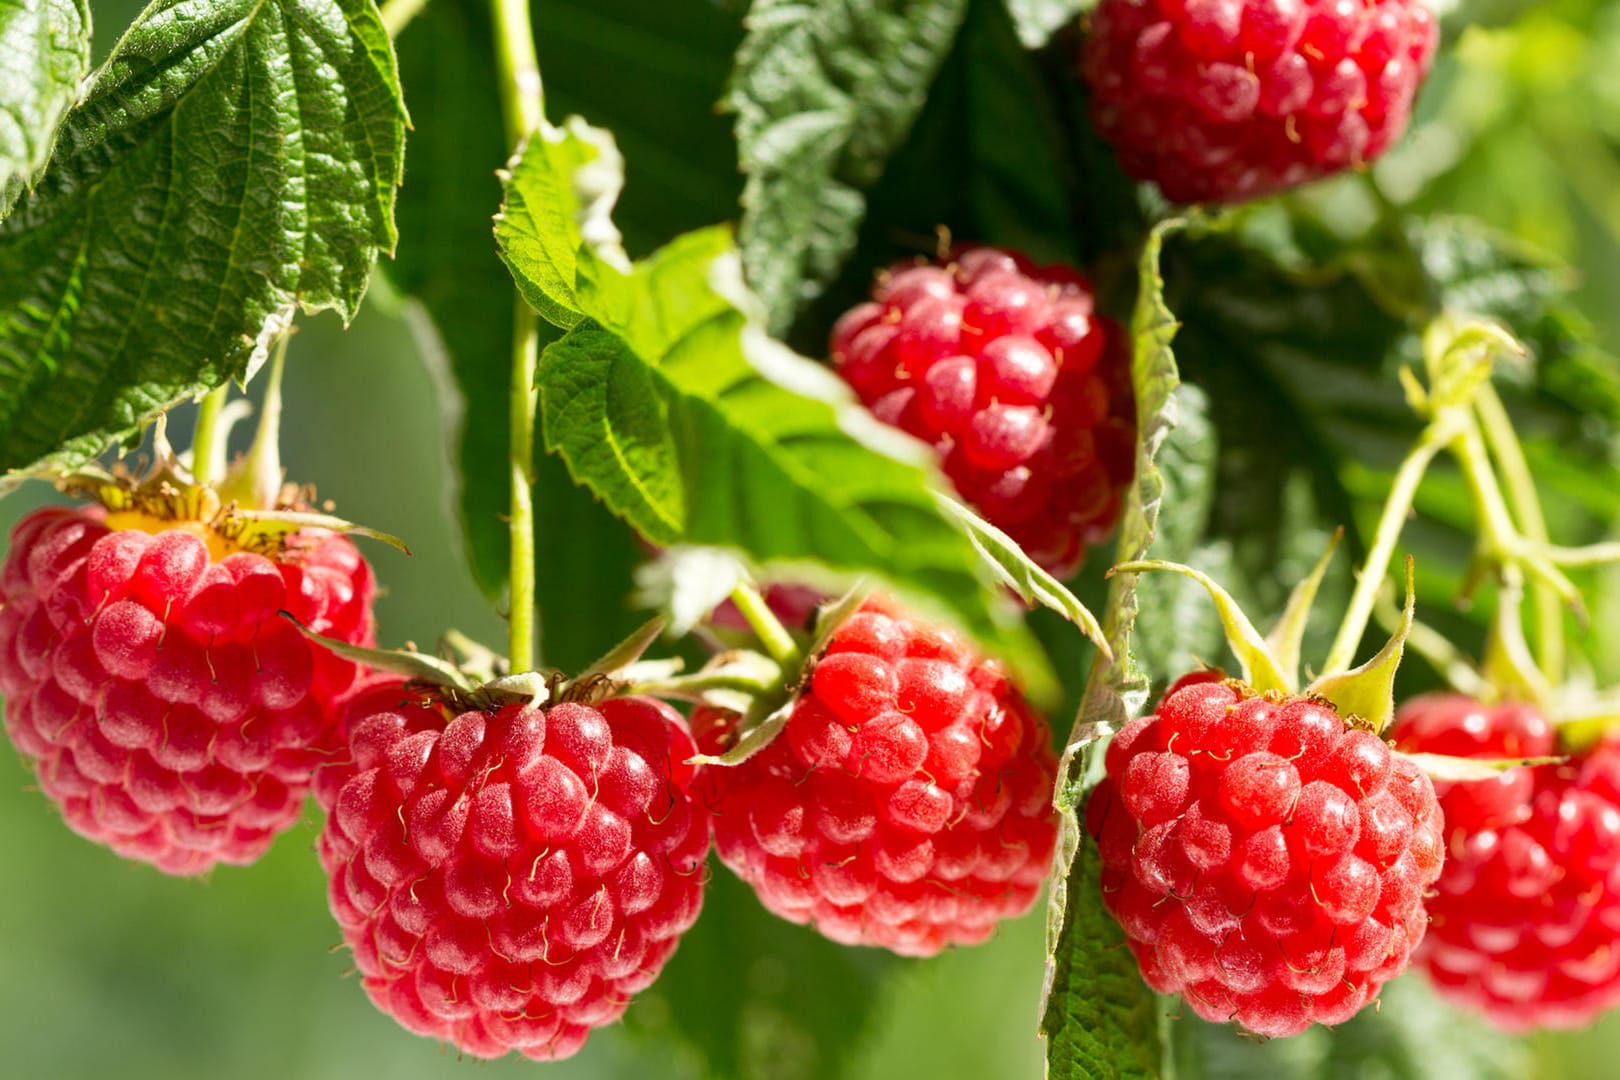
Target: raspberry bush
<point x="1093" y="509"/>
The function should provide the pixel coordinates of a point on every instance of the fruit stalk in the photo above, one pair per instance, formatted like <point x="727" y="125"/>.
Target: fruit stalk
<point x="203" y="437"/>
<point x="523" y="110"/>
<point x="1440" y="432"/>
<point x="779" y="644"/>
<point x="1525" y="505"/>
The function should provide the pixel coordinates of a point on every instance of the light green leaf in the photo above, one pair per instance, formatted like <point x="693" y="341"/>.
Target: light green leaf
<point x="44" y="55"/>
<point x="823" y="94"/>
<point x="1020" y="573"/>
<point x="1036" y="20"/>
<point x="228" y="164"/>
<point x="1464" y="769"/>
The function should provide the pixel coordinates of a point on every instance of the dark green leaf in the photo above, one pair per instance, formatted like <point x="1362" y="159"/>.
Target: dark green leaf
<point x="227" y="166"/>
<point x="823" y="94"/>
<point x="44" y="53"/>
<point x="1099" y="1018"/>
<point x="1101" y="1021"/>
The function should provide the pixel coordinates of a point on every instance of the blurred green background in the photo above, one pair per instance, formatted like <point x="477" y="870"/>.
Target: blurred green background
<point x="110" y="969"/>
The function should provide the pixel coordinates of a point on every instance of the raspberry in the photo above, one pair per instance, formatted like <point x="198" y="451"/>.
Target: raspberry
<point x="908" y="803"/>
<point x="1020" y="386"/>
<point x="1526" y="926"/>
<point x="167" y="709"/>
<point x="1228" y="100"/>
<point x="1266" y="860"/>
<point x="508" y="879"/>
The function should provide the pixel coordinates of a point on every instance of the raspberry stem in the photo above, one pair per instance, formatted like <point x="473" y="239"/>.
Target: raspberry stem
<point x="204" y="434"/>
<point x="1525" y="505"/>
<point x="523" y="110"/>
<point x="1444" y="429"/>
<point x="779" y="644"/>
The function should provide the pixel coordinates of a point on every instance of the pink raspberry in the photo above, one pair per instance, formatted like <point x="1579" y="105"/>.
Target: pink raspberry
<point x="507" y="880"/>
<point x="908" y="803"/>
<point x="167" y="709"/>
<point x="1266" y="860"/>
<point x="1526" y="926"/>
<point x="1229" y="100"/>
<point x="1021" y="387"/>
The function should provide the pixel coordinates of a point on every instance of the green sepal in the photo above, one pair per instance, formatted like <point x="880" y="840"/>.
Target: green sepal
<point x="1366" y="695"/>
<point x="1288" y="635"/>
<point x="1462" y="769"/>
<point x="1261" y="668"/>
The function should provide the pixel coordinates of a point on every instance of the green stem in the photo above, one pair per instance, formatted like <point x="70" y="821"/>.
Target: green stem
<point x="520" y="649"/>
<point x="1526" y="508"/>
<point x="517" y="67"/>
<point x="523" y="110"/>
<point x="397" y="14"/>
<point x="779" y="644"/>
<point x="1441" y="431"/>
<point x="203" y="436"/>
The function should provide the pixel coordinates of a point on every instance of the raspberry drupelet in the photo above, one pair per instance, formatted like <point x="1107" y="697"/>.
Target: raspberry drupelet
<point x="908" y="802"/>
<point x="508" y="879"/>
<point x="1266" y="860"/>
<point x="166" y="708"/>
<point x="1229" y="100"/>
<point x="1525" y="928"/>
<point x="1022" y="388"/>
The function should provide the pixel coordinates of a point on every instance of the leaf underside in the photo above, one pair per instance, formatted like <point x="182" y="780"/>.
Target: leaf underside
<point x="44" y="53"/>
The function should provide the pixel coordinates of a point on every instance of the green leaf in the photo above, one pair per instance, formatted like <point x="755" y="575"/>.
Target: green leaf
<point x="1101" y="1022"/>
<point x="1036" y="20"/>
<point x="672" y="404"/>
<point x="227" y="165"/>
<point x="1465" y="769"/>
<point x="44" y="55"/>
<point x="1020" y="573"/>
<point x="1099" y="1018"/>
<point x="823" y="93"/>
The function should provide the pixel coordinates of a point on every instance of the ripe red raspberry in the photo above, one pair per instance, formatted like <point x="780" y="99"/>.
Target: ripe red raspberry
<point x="1228" y="100"/>
<point x="1526" y="926"/>
<point x="1266" y="860"/>
<point x="1021" y="387"/>
<point x="167" y="709"/>
<point x="507" y="880"/>
<point x="908" y="803"/>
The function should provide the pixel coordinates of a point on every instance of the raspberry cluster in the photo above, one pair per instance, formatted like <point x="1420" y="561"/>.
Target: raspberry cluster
<point x="1526" y="924"/>
<point x="1266" y="860"/>
<point x="167" y="709"/>
<point x="507" y="880"/>
<point x="908" y="803"/>
<point x="1228" y="100"/>
<point x="1020" y="386"/>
